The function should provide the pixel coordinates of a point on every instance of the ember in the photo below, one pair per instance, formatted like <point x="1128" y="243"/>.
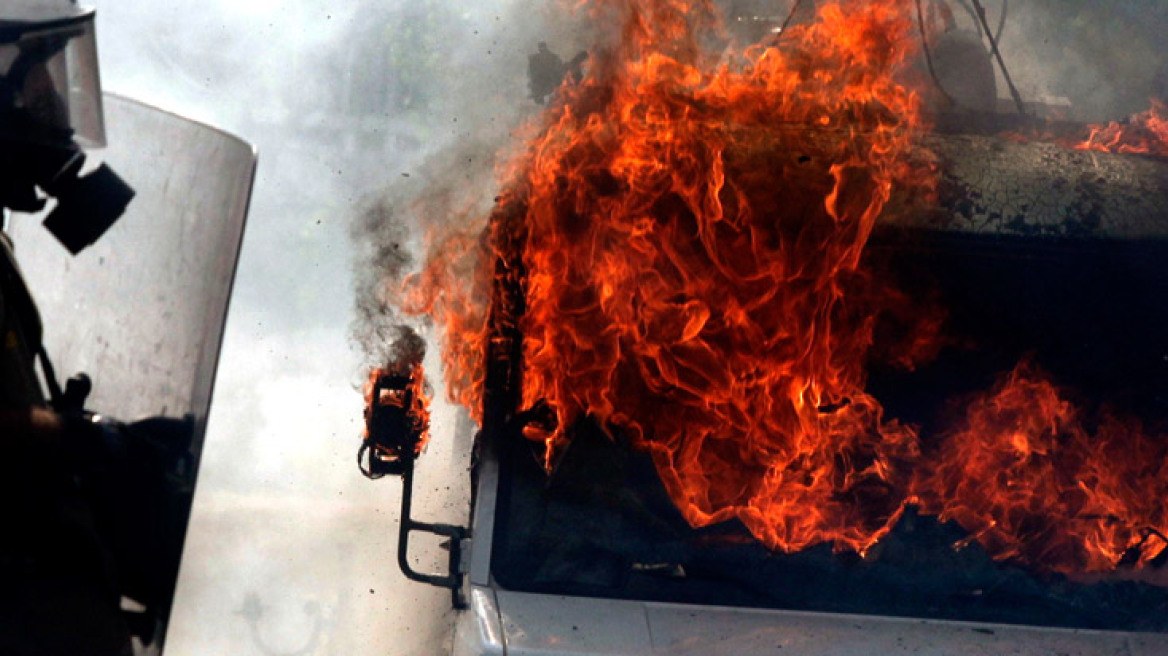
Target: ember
<point x="692" y="230"/>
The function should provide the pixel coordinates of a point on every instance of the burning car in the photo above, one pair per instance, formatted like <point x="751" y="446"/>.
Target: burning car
<point x="795" y="346"/>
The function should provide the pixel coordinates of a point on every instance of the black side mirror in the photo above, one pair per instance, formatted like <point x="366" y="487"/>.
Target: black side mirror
<point x="396" y="421"/>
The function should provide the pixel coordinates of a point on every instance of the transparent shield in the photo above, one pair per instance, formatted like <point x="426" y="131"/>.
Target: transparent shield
<point x="52" y="76"/>
<point x="83" y="82"/>
<point x="142" y="310"/>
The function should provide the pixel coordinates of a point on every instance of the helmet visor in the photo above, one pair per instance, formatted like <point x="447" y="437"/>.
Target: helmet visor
<point x="49" y="78"/>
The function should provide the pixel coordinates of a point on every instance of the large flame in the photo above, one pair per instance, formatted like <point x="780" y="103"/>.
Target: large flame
<point x="693" y="245"/>
<point x="692" y="235"/>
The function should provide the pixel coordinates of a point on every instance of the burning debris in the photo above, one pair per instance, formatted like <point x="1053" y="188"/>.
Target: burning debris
<point x="682" y="252"/>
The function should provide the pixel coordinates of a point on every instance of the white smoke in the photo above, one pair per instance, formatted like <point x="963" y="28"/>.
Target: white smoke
<point x="1099" y="61"/>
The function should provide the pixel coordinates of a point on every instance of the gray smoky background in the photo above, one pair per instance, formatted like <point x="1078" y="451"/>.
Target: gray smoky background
<point x="1092" y="61"/>
<point x="376" y="122"/>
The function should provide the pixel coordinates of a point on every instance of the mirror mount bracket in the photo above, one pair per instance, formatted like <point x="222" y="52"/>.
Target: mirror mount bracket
<point x="396" y="424"/>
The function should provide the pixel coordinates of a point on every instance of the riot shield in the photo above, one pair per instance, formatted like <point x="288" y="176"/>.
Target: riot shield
<point x="142" y="310"/>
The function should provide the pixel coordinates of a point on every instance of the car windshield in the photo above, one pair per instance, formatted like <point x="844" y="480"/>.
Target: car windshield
<point x="602" y="525"/>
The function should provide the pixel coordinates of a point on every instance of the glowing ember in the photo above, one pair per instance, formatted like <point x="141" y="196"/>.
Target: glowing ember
<point x="692" y="231"/>
<point x="1146" y="132"/>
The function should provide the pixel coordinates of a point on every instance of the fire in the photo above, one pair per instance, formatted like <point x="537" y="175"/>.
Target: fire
<point x="1024" y="474"/>
<point x="415" y="395"/>
<point x="452" y="288"/>
<point x="691" y="228"/>
<point x="1146" y="132"/>
<point x="693" y="252"/>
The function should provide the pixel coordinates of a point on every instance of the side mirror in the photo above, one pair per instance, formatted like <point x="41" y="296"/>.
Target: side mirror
<point x="396" y="423"/>
<point x="397" y="419"/>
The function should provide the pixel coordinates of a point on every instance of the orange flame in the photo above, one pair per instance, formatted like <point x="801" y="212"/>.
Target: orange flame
<point x="1146" y="132"/>
<point x="1024" y="475"/>
<point x="453" y="288"/>
<point x="693" y="265"/>
<point x="419" y="410"/>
